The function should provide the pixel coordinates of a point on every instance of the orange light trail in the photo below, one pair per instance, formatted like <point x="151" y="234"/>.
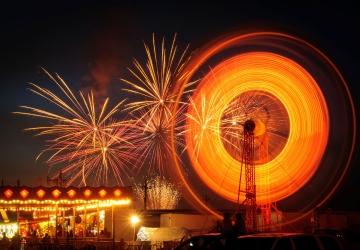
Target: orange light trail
<point x="308" y="56"/>
<point x="308" y="118"/>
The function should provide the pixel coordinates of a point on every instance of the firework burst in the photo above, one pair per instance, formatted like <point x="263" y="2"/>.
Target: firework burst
<point x="153" y="139"/>
<point x="85" y="142"/>
<point x="161" y="193"/>
<point x="153" y="82"/>
<point x="152" y="85"/>
<point x="203" y="116"/>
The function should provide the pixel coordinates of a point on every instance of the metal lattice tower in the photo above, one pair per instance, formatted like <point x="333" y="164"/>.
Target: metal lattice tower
<point x="247" y="163"/>
<point x="268" y="208"/>
<point x="265" y="208"/>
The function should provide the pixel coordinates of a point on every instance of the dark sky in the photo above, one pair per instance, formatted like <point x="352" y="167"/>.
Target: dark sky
<point x="91" y="42"/>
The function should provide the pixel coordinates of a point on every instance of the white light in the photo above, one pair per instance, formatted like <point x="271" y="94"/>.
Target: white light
<point x="134" y="219"/>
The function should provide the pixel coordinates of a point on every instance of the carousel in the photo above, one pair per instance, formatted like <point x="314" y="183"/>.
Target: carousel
<point x="60" y="211"/>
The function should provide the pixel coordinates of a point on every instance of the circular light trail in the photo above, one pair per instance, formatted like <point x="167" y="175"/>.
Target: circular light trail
<point x="301" y="94"/>
<point x="295" y="89"/>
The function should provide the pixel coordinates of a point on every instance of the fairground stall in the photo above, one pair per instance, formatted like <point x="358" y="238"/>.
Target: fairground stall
<point x="60" y="212"/>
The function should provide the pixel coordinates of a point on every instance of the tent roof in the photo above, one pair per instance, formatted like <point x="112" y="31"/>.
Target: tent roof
<point x="162" y="233"/>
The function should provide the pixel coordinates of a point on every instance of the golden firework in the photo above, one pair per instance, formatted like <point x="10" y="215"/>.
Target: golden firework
<point x="153" y="82"/>
<point x="152" y="85"/>
<point x="161" y="193"/>
<point x="84" y="142"/>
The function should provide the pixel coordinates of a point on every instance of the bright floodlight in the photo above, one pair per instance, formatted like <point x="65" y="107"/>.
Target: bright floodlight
<point x="134" y="219"/>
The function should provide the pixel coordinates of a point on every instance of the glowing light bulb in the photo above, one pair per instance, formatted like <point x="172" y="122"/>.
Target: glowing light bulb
<point x="134" y="219"/>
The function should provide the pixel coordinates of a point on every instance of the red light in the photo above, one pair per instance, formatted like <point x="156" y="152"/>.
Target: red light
<point x="87" y="192"/>
<point x="8" y="193"/>
<point x="40" y="193"/>
<point x="56" y="193"/>
<point x="102" y="193"/>
<point x="71" y="193"/>
<point x="117" y="192"/>
<point x="24" y="193"/>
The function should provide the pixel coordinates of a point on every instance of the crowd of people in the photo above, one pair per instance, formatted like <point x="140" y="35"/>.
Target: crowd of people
<point x="16" y="242"/>
<point x="46" y="242"/>
<point x="13" y="244"/>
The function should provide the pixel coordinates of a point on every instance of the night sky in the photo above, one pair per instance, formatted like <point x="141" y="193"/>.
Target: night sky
<point x="91" y="43"/>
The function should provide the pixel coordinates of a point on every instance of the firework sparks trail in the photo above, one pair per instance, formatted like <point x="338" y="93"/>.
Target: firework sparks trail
<point x="109" y="154"/>
<point x="153" y="85"/>
<point x="203" y="116"/>
<point x="153" y="82"/>
<point x="161" y="194"/>
<point x="153" y="138"/>
<point x="85" y="142"/>
<point x="204" y="113"/>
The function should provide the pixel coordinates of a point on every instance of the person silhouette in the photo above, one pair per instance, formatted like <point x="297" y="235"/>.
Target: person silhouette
<point x="15" y="242"/>
<point x="239" y="226"/>
<point x="122" y="244"/>
<point x="4" y="237"/>
<point x="227" y="228"/>
<point x="4" y="242"/>
<point x="46" y="239"/>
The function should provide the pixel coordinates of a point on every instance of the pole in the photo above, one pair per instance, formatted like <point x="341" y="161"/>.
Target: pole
<point x="56" y="221"/>
<point x="17" y="219"/>
<point x="134" y="237"/>
<point x="63" y="230"/>
<point x="74" y="218"/>
<point x="85" y="214"/>
<point x="145" y="193"/>
<point x="48" y="225"/>
<point x="113" y="225"/>
<point x="98" y="221"/>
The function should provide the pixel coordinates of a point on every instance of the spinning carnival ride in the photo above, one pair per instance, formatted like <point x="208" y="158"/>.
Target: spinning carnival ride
<point x="261" y="125"/>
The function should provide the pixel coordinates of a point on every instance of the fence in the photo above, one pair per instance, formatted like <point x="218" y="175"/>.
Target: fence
<point x="88" y="244"/>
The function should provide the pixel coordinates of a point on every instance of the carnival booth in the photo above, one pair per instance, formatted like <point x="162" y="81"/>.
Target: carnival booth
<point x="61" y="212"/>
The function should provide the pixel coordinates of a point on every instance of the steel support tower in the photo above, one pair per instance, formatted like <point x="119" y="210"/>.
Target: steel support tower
<point x="267" y="206"/>
<point x="247" y="163"/>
